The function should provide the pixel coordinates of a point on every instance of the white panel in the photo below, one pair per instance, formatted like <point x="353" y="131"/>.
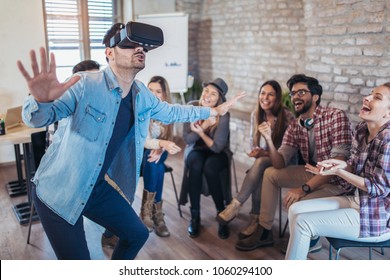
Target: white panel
<point x="171" y="59"/>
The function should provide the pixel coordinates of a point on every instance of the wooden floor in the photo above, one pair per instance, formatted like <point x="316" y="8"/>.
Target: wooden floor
<point x="177" y="246"/>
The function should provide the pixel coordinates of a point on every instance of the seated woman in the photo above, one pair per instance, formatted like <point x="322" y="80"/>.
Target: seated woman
<point x="207" y="153"/>
<point x="269" y="109"/>
<point x="364" y="216"/>
<point x="157" y="147"/>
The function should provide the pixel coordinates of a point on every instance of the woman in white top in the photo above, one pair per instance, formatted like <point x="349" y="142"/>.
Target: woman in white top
<point x="157" y="147"/>
<point x="269" y="109"/>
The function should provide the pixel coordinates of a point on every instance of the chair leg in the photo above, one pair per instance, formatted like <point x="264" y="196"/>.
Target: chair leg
<point x="176" y="195"/>
<point x="285" y="228"/>
<point x="280" y="213"/>
<point x="370" y="253"/>
<point x="235" y="175"/>
<point x="338" y="254"/>
<point x="30" y="222"/>
<point x="330" y="251"/>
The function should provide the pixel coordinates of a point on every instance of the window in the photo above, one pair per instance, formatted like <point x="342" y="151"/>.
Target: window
<point x="75" y="29"/>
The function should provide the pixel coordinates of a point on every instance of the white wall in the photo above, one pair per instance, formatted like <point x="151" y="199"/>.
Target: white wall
<point x="143" y="7"/>
<point x="21" y="29"/>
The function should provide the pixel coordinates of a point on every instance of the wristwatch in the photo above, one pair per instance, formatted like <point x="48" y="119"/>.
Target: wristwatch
<point x="306" y="188"/>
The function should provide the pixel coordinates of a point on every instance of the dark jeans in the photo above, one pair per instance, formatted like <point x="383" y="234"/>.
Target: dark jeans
<point x="105" y="207"/>
<point x="210" y="164"/>
<point x="153" y="174"/>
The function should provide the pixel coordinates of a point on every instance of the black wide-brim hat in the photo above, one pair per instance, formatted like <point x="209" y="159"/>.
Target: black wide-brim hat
<point x="220" y="85"/>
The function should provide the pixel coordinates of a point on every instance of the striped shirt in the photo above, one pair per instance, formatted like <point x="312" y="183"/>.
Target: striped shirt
<point x="372" y="161"/>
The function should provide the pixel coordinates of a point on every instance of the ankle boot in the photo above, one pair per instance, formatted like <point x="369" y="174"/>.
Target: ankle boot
<point x="160" y="227"/>
<point x="147" y="208"/>
<point x="193" y="228"/>
<point x="223" y="228"/>
<point x="250" y="228"/>
<point x="230" y="212"/>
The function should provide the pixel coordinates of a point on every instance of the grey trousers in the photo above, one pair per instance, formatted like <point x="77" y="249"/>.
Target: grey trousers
<point x="253" y="182"/>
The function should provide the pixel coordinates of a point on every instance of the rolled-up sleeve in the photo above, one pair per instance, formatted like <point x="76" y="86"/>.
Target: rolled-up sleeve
<point x="378" y="179"/>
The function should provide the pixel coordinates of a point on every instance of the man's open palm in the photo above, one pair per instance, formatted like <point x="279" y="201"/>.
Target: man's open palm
<point x="44" y="85"/>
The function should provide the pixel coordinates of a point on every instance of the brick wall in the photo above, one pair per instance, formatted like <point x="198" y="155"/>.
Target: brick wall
<point x="343" y="43"/>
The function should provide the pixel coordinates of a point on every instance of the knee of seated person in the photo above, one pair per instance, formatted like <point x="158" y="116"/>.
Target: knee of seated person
<point x="262" y="162"/>
<point x="302" y="222"/>
<point x="193" y="162"/>
<point x="271" y="173"/>
<point x="294" y="209"/>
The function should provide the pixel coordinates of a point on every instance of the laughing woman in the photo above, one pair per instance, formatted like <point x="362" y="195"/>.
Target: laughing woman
<point x="207" y="153"/>
<point x="364" y="216"/>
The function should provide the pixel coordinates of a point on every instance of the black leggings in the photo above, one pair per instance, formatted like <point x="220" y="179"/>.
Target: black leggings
<point x="210" y="164"/>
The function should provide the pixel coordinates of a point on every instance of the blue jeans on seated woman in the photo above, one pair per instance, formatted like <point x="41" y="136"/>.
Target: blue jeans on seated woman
<point x="153" y="174"/>
<point x="105" y="207"/>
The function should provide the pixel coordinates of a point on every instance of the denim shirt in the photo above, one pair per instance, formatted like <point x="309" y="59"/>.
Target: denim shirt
<point x="87" y="113"/>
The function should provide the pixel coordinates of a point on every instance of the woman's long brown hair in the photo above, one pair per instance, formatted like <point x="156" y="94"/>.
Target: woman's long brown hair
<point x="168" y="129"/>
<point x="277" y="111"/>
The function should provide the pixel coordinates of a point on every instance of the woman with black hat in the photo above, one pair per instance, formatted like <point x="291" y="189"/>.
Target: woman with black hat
<point x="207" y="154"/>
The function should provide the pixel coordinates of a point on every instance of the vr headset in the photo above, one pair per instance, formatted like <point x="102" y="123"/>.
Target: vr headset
<point x="135" y="34"/>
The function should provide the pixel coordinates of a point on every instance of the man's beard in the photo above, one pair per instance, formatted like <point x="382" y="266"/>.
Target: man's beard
<point x="138" y="65"/>
<point x="306" y="107"/>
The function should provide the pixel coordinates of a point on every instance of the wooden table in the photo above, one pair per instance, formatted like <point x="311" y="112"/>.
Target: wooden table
<point x="16" y="136"/>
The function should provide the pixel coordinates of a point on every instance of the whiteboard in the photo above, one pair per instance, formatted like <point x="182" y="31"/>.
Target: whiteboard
<point x="171" y="59"/>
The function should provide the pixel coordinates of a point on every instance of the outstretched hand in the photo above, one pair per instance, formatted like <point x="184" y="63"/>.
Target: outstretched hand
<point x="44" y="85"/>
<point x="326" y="167"/>
<point x="224" y="107"/>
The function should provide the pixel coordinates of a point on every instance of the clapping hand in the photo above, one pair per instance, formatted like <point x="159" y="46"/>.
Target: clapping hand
<point x="197" y="128"/>
<point x="170" y="147"/>
<point x="155" y="155"/>
<point x="258" y="152"/>
<point x="265" y="130"/>
<point x="44" y="85"/>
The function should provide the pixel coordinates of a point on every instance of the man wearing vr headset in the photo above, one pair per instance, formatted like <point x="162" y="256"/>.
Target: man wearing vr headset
<point x="103" y="122"/>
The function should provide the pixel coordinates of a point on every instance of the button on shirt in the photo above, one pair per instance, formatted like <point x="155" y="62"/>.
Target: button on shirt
<point x="87" y="113"/>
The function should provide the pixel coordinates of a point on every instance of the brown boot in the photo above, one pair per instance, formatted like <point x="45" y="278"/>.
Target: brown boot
<point x="160" y="227"/>
<point x="250" y="228"/>
<point x="147" y="209"/>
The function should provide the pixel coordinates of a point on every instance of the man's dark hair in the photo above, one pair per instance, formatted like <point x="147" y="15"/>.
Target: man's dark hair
<point x="86" y="65"/>
<point x="114" y="29"/>
<point x="312" y="83"/>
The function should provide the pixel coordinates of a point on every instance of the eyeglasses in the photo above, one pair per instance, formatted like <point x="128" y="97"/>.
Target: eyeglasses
<point x="300" y="92"/>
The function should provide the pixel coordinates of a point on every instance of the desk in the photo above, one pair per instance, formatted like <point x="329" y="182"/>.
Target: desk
<point x="16" y="136"/>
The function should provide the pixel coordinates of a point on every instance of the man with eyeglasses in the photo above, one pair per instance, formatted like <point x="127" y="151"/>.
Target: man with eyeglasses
<point x="318" y="133"/>
<point x="103" y="123"/>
